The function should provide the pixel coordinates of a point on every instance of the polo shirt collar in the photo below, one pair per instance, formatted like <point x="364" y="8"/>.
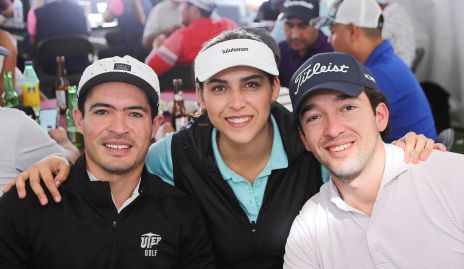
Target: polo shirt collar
<point x="277" y="160"/>
<point x="394" y="166"/>
<point x="383" y="48"/>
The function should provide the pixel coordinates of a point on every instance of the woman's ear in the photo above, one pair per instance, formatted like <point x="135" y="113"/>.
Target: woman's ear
<point x="275" y="88"/>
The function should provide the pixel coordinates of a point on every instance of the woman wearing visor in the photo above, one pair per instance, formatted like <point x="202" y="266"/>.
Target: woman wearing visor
<point x="242" y="160"/>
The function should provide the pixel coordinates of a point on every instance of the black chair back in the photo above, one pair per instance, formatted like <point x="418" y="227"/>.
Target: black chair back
<point x="78" y="52"/>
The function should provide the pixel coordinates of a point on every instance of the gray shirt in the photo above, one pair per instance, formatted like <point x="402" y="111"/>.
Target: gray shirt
<point x="22" y="143"/>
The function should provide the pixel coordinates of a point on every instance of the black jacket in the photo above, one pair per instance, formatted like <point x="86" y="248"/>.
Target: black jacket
<point x="161" y="228"/>
<point x="237" y="243"/>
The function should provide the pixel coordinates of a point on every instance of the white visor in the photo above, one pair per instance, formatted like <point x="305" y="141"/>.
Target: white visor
<point x="235" y="52"/>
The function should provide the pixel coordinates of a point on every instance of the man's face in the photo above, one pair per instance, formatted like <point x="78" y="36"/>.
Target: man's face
<point x="117" y="129"/>
<point x="342" y="131"/>
<point x="300" y="35"/>
<point x="340" y="38"/>
<point x="186" y="10"/>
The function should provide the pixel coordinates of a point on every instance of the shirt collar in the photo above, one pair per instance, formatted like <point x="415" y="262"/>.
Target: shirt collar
<point x="394" y="166"/>
<point x="383" y="48"/>
<point x="129" y="200"/>
<point x="277" y="160"/>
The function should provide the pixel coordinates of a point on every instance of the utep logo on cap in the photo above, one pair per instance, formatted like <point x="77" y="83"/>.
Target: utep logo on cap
<point x="123" y="67"/>
<point x="318" y="69"/>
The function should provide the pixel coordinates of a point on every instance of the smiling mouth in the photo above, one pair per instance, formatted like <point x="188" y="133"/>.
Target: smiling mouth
<point x="239" y="120"/>
<point x="117" y="147"/>
<point x="340" y="147"/>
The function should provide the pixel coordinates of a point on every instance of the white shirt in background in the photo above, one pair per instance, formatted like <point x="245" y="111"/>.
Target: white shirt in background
<point x="22" y="143"/>
<point x="399" y="30"/>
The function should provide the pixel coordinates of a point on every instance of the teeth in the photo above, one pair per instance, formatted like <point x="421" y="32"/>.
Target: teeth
<point x="238" y="120"/>
<point x="340" y="148"/>
<point x="116" y="146"/>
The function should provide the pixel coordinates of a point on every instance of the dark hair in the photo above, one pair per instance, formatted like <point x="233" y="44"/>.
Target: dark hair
<point x="83" y="97"/>
<point x="266" y="37"/>
<point x="230" y="35"/>
<point x="375" y="98"/>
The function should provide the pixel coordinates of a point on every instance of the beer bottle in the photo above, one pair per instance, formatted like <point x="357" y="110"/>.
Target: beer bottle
<point x="9" y="96"/>
<point x="61" y="85"/>
<point x="75" y="137"/>
<point x="30" y="87"/>
<point x="178" y="116"/>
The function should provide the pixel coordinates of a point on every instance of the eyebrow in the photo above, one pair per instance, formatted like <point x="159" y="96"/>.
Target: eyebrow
<point x="251" y="77"/>
<point x="97" y="105"/>
<point x="311" y="106"/>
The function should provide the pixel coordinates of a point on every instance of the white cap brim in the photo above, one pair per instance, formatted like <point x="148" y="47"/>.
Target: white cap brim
<point x="235" y="52"/>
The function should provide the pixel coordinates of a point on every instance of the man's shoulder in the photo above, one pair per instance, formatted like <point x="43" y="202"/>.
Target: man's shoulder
<point x="318" y="203"/>
<point x="11" y="114"/>
<point x="442" y="163"/>
<point x="156" y="188"/>
<point x="283" y="45"/>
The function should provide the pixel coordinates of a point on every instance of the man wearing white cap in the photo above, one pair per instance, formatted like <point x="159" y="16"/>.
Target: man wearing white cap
<point x="182" y="46"/>
<point x="114" y="213"/>
<point x="356" y="27"/>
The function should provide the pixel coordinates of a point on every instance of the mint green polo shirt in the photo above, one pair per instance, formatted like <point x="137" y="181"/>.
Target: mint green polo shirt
<point x="250" y="196"/>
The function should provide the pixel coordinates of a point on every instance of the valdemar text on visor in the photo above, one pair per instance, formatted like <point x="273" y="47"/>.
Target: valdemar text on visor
<point x="235" y="52"/>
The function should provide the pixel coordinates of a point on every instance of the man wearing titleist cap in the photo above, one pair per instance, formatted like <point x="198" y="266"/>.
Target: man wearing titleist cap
<point x="183" y="45"/>
<point x="376" y="210"/>
<point x="114" y="214"/>
<point x="302" y="39"/>
<point x="356" y="27"/>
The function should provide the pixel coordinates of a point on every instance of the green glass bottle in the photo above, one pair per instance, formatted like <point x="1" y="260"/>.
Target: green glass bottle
<point x="75" y="137"/>
<point x="9" y="96"/>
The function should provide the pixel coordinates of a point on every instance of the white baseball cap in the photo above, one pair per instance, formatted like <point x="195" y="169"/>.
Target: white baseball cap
<point x="362" y="13"/>
<point x="384" y="2"/>
<point x="117" y="69"/>
<point x="234" y="52"/>
<point x="203" y="4"/>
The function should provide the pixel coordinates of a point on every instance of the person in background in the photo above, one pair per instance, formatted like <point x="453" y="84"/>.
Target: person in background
<point x="356" y="27"/>
<point x="399" y="30"/>
<point x="164" y="18"/>
<point x="302" y="39"/>
<point x="114" y="213"/>
<point x="182" y="46"/>
<point x="269" y="10"/>
<point x="376" y="210"/>
<point x="241" y="160"/>
<point x="57" y="18"/>
<point x="7" y="62"/>
<point x="127" y="39"/>
<point x="23" y="142"/>
<point x="6" y="10"/>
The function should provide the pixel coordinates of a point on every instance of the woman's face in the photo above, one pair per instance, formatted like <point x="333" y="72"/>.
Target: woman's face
<point x="238" y="101"/>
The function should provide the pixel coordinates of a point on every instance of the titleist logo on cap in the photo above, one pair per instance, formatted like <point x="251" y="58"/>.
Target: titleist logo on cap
<point x="369" y="77"/>
<point x="233" y="50"/>
<point x="318" y="68"/>
<point x="120" y="66"/>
